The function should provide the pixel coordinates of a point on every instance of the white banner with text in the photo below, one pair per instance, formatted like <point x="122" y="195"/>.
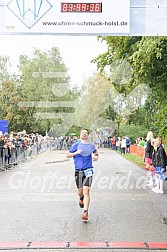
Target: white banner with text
<point x="70" y="16"/>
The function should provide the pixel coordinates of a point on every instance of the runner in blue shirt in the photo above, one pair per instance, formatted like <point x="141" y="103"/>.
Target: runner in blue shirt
<point x="81" y="152"/>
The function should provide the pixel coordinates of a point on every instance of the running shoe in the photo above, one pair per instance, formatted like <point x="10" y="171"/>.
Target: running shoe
<point x="81" y="203"/>
<point x="155" y="189"/>
<point x="159" y="191"/>
<point x="85" y="216"/>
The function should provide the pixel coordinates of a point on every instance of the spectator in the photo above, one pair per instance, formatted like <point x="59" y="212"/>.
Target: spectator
<point x="113" y="142"/>
<point x="117" y="143"/>
<point x="142" y="142"/>
<point x="123" y="145"/>
<point x="159" y="163"/>
<point x="148" y="150"/>
<point x="105" y="143"/>
<point x="1" y="150"/>
<point x="138" y="141"/>
<point x="128" y="142"/>
<point x="148" y="156"/>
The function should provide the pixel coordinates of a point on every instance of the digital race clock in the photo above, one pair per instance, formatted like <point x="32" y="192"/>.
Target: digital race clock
<point x="81" y="7"/>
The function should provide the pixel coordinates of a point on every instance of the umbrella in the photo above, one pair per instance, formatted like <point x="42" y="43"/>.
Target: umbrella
<point x="72" y="134"/>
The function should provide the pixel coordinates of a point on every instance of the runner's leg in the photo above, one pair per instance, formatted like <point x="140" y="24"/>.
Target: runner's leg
<point x="79" y="184"/>
<point x="80" y="192"/>
<point x="86" y="193"/>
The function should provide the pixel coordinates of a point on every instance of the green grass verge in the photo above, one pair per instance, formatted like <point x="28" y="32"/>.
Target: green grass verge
<point x="134" y="159"/>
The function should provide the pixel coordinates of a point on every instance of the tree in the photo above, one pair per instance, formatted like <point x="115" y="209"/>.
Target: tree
<point x="4" y="73"/>
<point x="9" y="99"/>
<point x="41" y="78"/>
<point x="147" y="56"/>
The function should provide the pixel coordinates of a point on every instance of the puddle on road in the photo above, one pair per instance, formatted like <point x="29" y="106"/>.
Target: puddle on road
<point x="121" y="172"/>
<point x="60" y="151"/>
<point x="57" y="161"/>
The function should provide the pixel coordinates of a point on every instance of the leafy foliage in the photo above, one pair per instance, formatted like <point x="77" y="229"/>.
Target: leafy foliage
<point x="101" y="96"/>
<point x="147" y="56"/>
<point x="20" y="99"/>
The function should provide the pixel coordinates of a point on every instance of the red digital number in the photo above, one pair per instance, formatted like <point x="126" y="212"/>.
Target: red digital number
<point x="97" y="7"/>
<point x="81" y="7"/>
<point x="92" y="7"/>
<point x="78" y="7"/>
<point x="84" y="7"/>
<point x="64" y="7"/>
<point x="70" y="7"/>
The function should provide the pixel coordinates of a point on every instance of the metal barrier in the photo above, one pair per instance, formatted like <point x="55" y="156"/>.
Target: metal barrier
<point x="11" y="156"/>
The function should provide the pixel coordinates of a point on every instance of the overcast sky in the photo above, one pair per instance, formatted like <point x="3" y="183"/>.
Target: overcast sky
<point x="76" y="51"/>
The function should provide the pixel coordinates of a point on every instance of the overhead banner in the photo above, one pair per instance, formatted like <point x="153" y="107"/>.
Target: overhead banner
<point x="65" y="17"/>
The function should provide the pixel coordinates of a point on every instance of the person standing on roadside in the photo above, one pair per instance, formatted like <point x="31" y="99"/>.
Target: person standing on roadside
<point x="82" y="152"/>
<point x="128" y="143"/>
<point x="149" y="150"/>
<point x="148" y="156"/>
<point x="159" y="163"/>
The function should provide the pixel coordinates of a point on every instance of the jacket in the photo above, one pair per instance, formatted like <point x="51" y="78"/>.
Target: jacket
<point x="159" y="157"/>
<point x="149" y="150"/>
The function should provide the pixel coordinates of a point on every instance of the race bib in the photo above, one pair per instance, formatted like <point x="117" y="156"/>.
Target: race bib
<point x="89" y="172"/>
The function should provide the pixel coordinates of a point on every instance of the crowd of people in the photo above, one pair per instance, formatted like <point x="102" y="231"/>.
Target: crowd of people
<point x="15" y="147"/>
<point x="155" y="157"/>
<point x="118" y="143"/>
<point x="155" y="163"/>
<point x="62" y="143"/>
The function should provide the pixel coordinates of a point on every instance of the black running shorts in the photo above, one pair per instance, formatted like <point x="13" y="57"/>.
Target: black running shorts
<point x="81" y="180"/>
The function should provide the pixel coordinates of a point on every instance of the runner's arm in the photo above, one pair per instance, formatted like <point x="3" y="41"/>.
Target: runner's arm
<point x="95" y="156"/>
<point x="72" y="154"/>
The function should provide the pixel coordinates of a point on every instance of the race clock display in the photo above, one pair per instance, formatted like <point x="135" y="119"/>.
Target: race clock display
<point x="82" y="7"/>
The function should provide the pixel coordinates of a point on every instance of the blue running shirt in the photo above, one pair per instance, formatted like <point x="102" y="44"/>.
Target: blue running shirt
<point x="84" y="160"/>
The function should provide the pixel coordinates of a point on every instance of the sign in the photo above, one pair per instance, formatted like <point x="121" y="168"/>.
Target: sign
<point x="81" y="7"/>
<point x="3" y="126"/>
<point x="75" y="17"/>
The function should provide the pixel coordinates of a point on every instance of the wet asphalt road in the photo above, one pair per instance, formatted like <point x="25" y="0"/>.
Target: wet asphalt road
<point x="38" y="202"/>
